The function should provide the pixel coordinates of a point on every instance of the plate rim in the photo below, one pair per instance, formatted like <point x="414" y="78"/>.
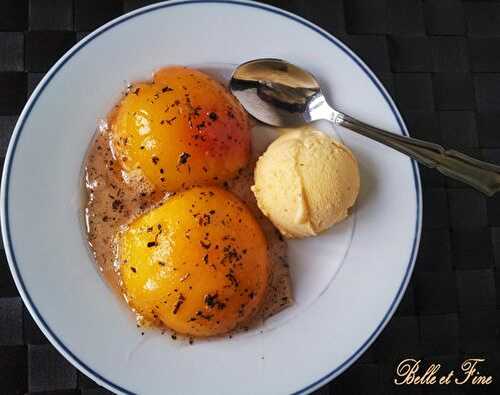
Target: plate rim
<point x="4" y="192"/>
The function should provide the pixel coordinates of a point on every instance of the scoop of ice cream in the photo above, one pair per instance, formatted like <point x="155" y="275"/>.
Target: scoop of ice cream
<point x="305" y="182"/>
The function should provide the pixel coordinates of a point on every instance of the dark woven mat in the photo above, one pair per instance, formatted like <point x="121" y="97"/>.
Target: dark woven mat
<point x="440" y="59"/>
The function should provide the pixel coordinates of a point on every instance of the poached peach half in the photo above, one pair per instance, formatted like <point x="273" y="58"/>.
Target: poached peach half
<point x="197" y="264"/>
<point x="181" y="129"/>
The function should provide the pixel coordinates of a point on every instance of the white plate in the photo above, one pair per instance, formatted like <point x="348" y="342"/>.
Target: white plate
<point x="334" y="319"/>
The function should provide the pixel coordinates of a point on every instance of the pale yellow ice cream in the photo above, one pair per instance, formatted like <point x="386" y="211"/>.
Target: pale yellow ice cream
<point x="305" y="182"/>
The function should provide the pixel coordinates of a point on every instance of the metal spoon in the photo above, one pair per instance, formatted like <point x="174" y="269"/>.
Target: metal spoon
<point x="279" y="93"/>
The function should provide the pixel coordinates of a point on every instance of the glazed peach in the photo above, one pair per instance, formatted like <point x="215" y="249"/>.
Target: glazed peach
<point x="197" y="264"/>
<point x="179" y="130"/>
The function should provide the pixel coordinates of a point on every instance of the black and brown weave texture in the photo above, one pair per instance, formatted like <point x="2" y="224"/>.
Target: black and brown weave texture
<point x="440" y="60"/>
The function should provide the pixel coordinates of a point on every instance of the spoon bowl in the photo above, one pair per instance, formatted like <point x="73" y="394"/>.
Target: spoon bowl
<point x="275" y="92"/>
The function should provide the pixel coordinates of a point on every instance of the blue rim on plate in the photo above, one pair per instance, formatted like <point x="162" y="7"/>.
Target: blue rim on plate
<point x="52" y="72"/>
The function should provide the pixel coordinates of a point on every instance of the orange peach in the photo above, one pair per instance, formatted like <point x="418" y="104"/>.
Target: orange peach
<point x="181" y="129"/>
<point x="197" y="264"/>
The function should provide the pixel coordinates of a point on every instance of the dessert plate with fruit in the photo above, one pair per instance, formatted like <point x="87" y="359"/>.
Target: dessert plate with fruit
<point x="164" y="240"/>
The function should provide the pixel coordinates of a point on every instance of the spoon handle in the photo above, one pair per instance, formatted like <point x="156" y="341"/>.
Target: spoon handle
<point x="483" y="176"/>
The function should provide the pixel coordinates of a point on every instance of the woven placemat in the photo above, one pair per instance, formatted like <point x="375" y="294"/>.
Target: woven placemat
<point x="440" y="60"/>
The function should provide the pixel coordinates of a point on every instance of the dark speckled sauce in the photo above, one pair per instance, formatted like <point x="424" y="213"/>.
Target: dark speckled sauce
<point x="111" y="204"/>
